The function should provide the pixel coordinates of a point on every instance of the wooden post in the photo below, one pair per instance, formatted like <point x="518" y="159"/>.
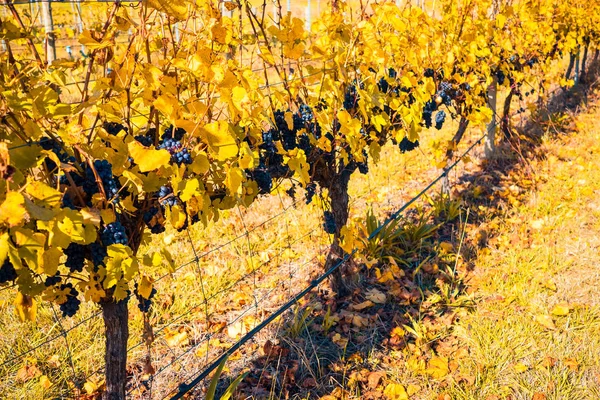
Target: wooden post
<point x="490" y="138"/>
<point x="49" y="30"/>
<point x="115" y="315"/>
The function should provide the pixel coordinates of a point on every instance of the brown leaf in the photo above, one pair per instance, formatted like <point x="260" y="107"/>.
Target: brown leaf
<point x="362" y="306"/>
<point x="27" y="372"/>
<point x="538" y="396"/>
<point x="374" y="379"/>
<point x="309" y="383"/>
<point x="571" y="363"/>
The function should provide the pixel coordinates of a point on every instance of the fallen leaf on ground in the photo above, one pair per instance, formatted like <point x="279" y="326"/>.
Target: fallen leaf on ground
<point x="395" y="391"/>
<point x="376" y="296"/>
<point x="571" y="363"/>
<point x="561" y="310"/>
<point x="374" y="379"/>
<point x="538" y="396"/>
<point x="545" y="321"/>
<point x="362" y="306"/>
<point x="437" y="367"/>
<point x="520" y="368"/>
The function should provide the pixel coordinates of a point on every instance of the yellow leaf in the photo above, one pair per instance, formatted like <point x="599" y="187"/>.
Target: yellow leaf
<point x="546" y="321"/>
<point x="438" y="367"/>
<point x="45" y="382"/>
<point x="12" y="210"/>
<point x="25" y="307"/>
<point x="176" y="338"/>
<point x="519" y="368"/>
<point x="87" y="40"/>
<point x="177" y="216"/>
<point x="173" y="8"/>
<point x="235" y="177"/>
<point x="148" y="159"/>
<point x="145" y="287"/>
<point x="220" y="139"/>
<point x="51" y="260"/>
<point x="188" y="188"/>
<point x="90" y="387"/>
<point x="395" y="391"/>
<point x="447" y="247"/>
<point x="561" y="310"/>
<point x="500" y="21"/>
<point x="47" y="195"/>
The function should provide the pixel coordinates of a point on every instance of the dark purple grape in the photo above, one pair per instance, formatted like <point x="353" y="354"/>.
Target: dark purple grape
<point x="113" y="233"/>
<point x="75" y="257"/>
<point x="7" y="272"/>
<point x="329" y="223"/>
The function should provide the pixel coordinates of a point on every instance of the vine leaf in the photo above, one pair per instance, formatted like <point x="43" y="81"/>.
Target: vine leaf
<point x="148" y="159"/>
<point x="25" y="307"/>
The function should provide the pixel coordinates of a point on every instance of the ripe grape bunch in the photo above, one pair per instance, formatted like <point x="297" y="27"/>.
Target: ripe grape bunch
<point x="71" y="305"/>
<point x="143" y="303"/>
<point x="75" y="257"/>
<point x="109" y="184"/>
<point x="113" y="233"/>
<point x="329" y="222"/>
<point x="171" y="141"/>
<point x="7" y="272"/>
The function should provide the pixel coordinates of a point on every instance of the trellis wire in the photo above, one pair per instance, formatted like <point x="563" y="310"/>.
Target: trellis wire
<point x="186" y="387"/>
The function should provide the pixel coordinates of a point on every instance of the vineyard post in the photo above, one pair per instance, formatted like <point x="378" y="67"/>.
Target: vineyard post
<point x="289" y="5"/>
<point x="490" y="138"/>
<point x="116" y="318"/>
<point x="49" y="30"/>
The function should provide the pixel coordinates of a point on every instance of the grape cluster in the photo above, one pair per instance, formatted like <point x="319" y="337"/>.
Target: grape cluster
<point x="75" y="257"/>
<point x="71" y="306"/>
<point x="311" y="190"/>
<point x="56" y="148"/>
<point x="263" y="179"/>
<point x="171" y="141"/>
<point x="52" y="280"/>
<point x="440" y="117"/>
<point x="113" y="233"/>
<point x="428" y="111"/>
<point x="500" y="77"/>
<point x="97" y="254"/>
<point x="406" y="145"/>
<point x="166" y="196"/>
<point x="384" y="85"/>
<point x="329" y="223"/>
<point x="145" y="140"/>
<point x="179" y="154"/>
<point x="113" y="128"/>
<point x="144" y="304"/>
<point x="109" y="183"/>
<point x="429" y="73"/>
<point x="351" y="97"/>
<point x="151" y="219"/>
<point x="7" y="272"/>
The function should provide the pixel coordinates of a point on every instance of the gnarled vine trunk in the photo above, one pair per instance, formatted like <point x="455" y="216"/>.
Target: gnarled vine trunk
<point x="115" y="315"/>
<point x="338" y="194"/>
<point x="505" y="123"/>
<point x="570" y="67"/>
